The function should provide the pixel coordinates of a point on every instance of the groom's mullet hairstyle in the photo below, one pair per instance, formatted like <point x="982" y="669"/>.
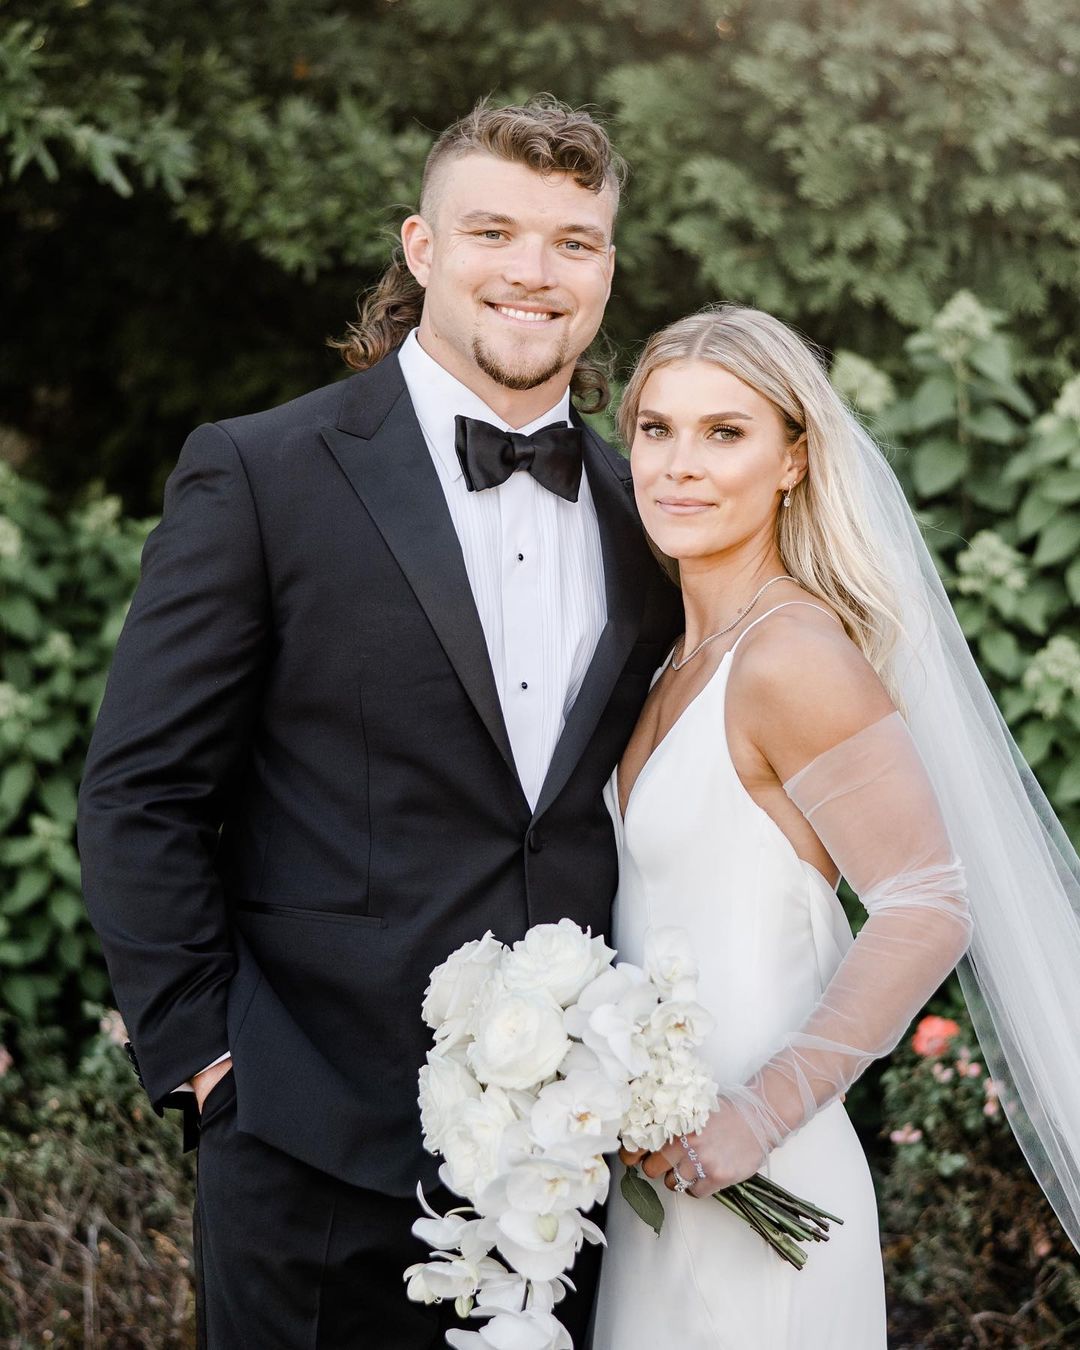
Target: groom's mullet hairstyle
<point x="546" y="136"/>
<point x="821" y="536"/>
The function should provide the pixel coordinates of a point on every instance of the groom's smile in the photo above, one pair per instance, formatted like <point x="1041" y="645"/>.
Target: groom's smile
<point x="517" y="268"/>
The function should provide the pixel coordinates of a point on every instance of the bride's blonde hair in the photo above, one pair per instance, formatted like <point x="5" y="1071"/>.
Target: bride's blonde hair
<point x="821" y="535"/>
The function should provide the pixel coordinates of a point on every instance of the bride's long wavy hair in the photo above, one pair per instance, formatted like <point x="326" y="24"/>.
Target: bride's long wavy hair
<point x="548" y="137"/>
<point x="822" y="535"/>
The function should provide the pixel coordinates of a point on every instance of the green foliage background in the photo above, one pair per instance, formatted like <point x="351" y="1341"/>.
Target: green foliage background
<point x="191" y="195"/>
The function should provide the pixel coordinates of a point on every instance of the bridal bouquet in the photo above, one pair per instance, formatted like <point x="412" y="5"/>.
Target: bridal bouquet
<point x="546" y="1057"/>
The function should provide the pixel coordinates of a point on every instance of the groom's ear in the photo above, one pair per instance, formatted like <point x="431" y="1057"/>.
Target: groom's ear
<point x="417" y="242"/>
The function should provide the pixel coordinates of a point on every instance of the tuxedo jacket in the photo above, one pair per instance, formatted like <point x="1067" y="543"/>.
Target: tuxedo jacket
<point x="300" y="795"/>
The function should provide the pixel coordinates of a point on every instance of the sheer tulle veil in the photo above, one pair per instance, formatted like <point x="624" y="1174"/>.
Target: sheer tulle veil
<point x="1021" y="975"/>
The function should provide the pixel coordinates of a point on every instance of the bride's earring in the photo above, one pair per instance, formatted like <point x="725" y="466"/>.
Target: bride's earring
<point x="787" y="498"/>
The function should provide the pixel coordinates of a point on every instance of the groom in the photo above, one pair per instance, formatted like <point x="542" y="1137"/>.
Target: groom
<point x="389" y="641"/>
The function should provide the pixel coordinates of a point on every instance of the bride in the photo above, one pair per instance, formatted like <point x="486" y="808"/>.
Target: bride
<point x="821" y="716"/>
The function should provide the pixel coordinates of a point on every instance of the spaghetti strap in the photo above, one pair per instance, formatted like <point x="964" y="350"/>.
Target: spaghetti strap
<point x="785" y="605"/>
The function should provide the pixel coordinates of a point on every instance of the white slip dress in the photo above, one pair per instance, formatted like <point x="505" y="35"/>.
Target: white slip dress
<point x="695" y="850"/>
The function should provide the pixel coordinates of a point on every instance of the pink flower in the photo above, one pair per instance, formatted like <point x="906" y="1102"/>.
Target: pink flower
<point x="6" y="1060"/>
<point x="990" y="1107"/>
<point x="941" y="1073"/>
<point x="974" y="1069"/>
<point x="906" y="1134"/>
<point x="932" y="1036"/>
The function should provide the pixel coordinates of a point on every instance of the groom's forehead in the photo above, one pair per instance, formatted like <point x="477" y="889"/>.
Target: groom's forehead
<point x="469" y="185"/>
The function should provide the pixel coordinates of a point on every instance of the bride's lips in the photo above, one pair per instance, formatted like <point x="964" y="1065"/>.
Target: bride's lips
<point x="683" y="506"/>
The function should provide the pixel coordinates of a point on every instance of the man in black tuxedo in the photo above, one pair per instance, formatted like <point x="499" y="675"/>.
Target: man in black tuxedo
<point x="389" y="641"/>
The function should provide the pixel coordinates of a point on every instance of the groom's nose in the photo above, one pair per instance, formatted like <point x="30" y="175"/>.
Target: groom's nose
<point x="528" y="263"/>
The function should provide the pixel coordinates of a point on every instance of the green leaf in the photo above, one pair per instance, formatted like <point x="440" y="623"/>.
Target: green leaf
<point x="938" y="465"/>
<point x="933" y="402"/>
<point x="991" y="358"/>
<point x="1058" y="540"/>
<point x="1067" y="791"/>
<point x="20" y="993"/>
<point x="15" y="784"/>
<point x="21" y="617"/>
<point x="30" y="885"/>
<point x="1063" y="486"/>
<point x="1035" y="740"/>
<point x="1034" y="512"/>
<point x="992" y="424"/>
<point x="66" y="910"/>
<point x="58" y="797"/>
<point x="1072" y="581"/>
<point x="1001" y="652"/>
<point x="642" y="1199"/>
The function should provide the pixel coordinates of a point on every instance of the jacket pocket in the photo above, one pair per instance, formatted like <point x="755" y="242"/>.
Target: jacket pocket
<point x="306" y="912"/>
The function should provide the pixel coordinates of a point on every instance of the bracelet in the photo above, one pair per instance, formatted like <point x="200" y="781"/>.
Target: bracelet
<point x="691" y="1153"/>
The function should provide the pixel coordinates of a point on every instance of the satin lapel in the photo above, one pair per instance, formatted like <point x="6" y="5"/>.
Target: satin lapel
<point x="382" y="452"/>
<point x="625" y="558"/>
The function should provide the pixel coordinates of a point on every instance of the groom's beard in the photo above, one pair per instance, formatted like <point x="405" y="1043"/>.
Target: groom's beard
<point x="521" y="376"/>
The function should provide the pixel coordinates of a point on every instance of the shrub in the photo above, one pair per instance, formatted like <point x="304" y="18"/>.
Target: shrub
<point x="95" y="1230"/>
<point x="65" y="582"/>
<point x="974" y="1255"/>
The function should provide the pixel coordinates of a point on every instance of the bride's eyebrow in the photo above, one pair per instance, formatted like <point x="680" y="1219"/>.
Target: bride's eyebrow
<point x="705" y="417"/>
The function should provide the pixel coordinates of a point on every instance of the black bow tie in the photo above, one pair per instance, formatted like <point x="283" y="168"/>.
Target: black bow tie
<point x="489" y="456"/>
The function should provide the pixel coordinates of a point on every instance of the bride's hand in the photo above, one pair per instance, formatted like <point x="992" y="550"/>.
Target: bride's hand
<point x="727" y="1150"/>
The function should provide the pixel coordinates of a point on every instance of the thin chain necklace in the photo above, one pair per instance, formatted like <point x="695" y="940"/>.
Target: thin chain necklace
<point x="678" y="665"/>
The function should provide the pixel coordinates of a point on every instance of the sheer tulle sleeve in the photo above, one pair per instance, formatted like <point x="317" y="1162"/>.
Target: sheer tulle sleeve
<point x="872" y="805"/>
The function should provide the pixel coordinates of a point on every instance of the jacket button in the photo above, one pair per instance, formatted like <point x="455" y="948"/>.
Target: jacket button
<point x="534" y="841"/>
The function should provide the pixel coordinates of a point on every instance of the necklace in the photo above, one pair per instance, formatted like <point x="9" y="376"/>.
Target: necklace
<point x="678" y="665"/>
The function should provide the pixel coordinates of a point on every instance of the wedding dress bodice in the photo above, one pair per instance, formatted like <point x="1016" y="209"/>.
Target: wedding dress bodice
<point x="697" y="851"/>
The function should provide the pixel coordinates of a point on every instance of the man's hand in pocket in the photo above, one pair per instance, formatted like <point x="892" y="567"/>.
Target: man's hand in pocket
<point x="206" y="1080"/>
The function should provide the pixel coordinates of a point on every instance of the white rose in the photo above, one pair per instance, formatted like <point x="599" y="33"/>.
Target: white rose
<point x="519" y="1041"/>
<point x="444" y="1085"/>
<point x="557" y="957"/>
<point x="472" y="1143"/>
<point x="669" y="958"/>
<point x="455" y="985"/>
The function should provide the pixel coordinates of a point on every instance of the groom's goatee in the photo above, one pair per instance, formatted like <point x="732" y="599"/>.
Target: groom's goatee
<point x="520" y="378"/>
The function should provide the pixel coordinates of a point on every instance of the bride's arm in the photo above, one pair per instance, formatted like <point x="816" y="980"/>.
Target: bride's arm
<point x="822" y="722"/>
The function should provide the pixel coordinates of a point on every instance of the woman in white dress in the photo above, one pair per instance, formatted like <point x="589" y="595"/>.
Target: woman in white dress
<point x="780" y="747"/>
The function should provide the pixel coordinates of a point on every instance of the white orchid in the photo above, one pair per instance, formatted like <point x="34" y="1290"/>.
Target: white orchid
<point x="542" y="1246"/>
<point x="514" y="1331"/>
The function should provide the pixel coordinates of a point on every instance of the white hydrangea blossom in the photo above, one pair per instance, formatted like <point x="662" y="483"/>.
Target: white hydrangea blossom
<point x="13" y="703"/>
<point x="961" y="323"/>
<point x="989" y="561"/>
<point x="861" y="384"/>
<point x="101" y="517"/>
<point x="1053" y="675"/>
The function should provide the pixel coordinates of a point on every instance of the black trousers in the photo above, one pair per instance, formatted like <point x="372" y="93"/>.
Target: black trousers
<point x="289" y="1258"/>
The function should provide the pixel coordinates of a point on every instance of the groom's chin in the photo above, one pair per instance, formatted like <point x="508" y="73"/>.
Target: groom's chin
<point x="518" y="375"/>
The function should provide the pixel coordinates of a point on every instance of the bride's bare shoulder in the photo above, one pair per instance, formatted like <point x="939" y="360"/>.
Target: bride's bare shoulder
<point x="799" y="685"/>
